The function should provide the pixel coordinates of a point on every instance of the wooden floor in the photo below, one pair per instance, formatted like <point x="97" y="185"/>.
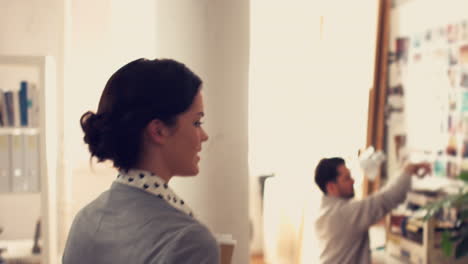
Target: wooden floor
<point x="256" y="259"/>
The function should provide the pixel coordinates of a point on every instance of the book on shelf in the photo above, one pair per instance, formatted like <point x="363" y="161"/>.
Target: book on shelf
<point x="9" y="108"/>
<point x="33" y="105"/>
<point x="23" y="103"/>
<point x="2" y="109"/>
<point x="16" y="109"/>
<point x="19" y="152"/>
<point x="20" y="108"/>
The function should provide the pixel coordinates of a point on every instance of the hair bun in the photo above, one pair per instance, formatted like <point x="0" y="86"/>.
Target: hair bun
<point x="94" y="128"/>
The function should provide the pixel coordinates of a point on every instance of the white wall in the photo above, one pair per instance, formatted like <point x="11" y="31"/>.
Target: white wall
<point x="104" y="35"/>
<point x="31" y="27"/>
<point x="308" y="94"/>
<point x="212" y="38"/>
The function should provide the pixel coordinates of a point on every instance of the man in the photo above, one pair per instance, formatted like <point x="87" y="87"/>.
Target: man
<point x="342" y="224"/>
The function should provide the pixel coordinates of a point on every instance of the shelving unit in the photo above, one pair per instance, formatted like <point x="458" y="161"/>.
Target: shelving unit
<point x="426" y="252"/>
<point x="414" y="240"/>
<point x="13" y="204"/>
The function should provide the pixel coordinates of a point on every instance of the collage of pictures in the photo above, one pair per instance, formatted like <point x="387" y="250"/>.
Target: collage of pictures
<point x="438" y="51"/>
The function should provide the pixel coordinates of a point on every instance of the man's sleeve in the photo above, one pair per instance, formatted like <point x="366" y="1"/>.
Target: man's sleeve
<point x="364" y="213"/>
<point x="196" y="245"/>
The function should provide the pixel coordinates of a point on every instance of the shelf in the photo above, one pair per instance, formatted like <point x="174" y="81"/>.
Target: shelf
<point x="19" y="251"/>
<point x="41" y="135"/>
<point x="14" y="195"/>
<point x="23" y="60"/>
<point x="19" y="131"/>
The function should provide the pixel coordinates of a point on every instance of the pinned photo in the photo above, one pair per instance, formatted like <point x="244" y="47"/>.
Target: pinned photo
<point x="464" y="105"/>
<point x="428" y="36"/>
<point x="464" y="30"/>
<point x="452" y="31"/>
<point x="400" y="145"/>
<point x="453" y="57"/>
<point x="465" y="127"/>
<point x="417" y="41"/>
<point x="464" y="80"/>
<point x="402" y="45"/>
<point x="453" y="170"/>
<point x="465" y="149"/>
<point x="417" y="57"/>
<point x="442" y="32"/>
<point x="463" y="54"/>
<point x="396" y="90"/>
<point x="452" y="76"/>
<point x="440" y="53"/>
<point x="451" y="148"/>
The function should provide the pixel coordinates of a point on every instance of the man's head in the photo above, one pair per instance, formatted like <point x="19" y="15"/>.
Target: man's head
<point x="334" y="178"/>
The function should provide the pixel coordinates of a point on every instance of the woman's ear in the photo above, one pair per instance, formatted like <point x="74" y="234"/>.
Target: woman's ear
<point x="156" y="130"/>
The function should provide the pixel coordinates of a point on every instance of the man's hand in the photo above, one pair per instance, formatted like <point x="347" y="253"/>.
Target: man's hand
<point x="420" y="169"/>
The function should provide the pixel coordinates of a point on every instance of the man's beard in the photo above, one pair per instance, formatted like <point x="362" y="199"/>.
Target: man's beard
<point x="346" y="195"/>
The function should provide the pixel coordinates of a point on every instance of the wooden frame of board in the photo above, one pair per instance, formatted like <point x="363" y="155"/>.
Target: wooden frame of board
<point x="378" y="93"/>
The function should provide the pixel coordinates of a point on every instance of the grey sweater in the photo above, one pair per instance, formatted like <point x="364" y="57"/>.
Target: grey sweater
<point x="342" y="224"/>
<point x="129" y="225"/>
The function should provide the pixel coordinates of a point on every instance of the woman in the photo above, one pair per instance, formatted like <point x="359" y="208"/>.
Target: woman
<point x="149" y="125"/>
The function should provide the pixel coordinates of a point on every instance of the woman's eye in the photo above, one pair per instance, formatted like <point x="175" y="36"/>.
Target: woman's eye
<point x="198" y="123"/>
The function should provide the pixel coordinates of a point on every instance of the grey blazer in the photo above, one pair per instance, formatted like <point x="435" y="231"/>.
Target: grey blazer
<point x="129" y="225"/>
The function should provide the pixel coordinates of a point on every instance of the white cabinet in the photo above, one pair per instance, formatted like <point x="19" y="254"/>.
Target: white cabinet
<point x="28" y="145"/>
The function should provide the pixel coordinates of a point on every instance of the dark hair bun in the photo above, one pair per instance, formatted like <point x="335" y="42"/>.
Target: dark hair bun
<point x="94" y="129"/>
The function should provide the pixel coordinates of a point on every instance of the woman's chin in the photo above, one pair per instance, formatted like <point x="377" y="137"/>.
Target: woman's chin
<point x="191" y="172"/>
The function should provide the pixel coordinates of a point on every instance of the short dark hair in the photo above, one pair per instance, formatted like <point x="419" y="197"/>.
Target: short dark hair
<point x="140" y="91"/>
<point x="327" y="171"/>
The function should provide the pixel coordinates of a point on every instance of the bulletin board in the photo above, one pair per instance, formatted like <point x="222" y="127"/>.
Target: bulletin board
<point x="427" y="88"/>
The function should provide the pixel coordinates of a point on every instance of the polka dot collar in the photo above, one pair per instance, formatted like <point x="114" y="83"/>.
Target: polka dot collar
<point x="151" y="183"/>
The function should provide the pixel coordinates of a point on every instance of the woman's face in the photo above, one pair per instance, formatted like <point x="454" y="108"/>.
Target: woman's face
<point x="185" y="140"/>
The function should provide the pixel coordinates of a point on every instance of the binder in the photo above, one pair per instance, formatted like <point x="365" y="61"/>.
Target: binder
<point x="31" y="161"/>
<point x="5" y="180"/>
<point x="19" y="182"/>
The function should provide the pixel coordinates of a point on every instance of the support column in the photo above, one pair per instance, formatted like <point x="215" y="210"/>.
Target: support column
<point x="212" y="38"/>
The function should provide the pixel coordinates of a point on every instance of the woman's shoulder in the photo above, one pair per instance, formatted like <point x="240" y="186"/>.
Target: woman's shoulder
<point x="197" y="229"/>
<point x="195" y="241"/>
